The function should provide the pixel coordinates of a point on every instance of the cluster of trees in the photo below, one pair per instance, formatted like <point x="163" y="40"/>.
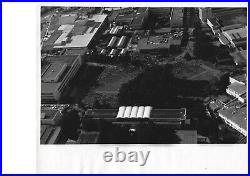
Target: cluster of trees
<point x="71" y="123"/>
<point x="101" y="104"/>
<point x="158" y="87"/>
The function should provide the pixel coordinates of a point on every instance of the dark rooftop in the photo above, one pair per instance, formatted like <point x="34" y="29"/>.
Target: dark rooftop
<point x="155" y="114"/>
<point x="49" y="134"/>
<point x="48" y="113"/>
<point x="61" y="59"/>
<point x="76" y="51"/>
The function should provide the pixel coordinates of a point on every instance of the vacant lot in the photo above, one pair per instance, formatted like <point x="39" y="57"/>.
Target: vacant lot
<point x="195" y="70"/>
<point x="187" y="69"/>
<point x="108" y="84"/>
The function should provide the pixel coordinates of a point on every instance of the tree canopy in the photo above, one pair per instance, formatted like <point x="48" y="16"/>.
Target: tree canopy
<point x="158" y="87"/>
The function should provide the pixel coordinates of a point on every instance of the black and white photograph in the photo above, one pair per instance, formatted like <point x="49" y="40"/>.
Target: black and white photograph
<point x="124" y="87"/>
<point x="143" y="75"/>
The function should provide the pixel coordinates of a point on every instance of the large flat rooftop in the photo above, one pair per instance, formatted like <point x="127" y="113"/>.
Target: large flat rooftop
<point x="238" y="33"/>
<point x="155" y="114"/>
<point x="235" y="112"/>
<point x="238" y="88"/>
<point x="67" y="59"/>
<point x="74" y="32"/>
<point x="48" y="113"/>
<point x="55" y="68"/>
<point x="49" y="134"/>
<point x="230" y="16"/>
<point x="53" y="72"/>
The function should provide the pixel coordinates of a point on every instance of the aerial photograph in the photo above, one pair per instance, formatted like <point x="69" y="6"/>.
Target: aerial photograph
<point x="143" y="75"/>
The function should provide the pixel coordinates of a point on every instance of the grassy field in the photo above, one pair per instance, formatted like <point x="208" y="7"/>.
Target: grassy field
<point x="195" y="70"/>
<point x="187" y="69"/>
<point x="108" y="84"/>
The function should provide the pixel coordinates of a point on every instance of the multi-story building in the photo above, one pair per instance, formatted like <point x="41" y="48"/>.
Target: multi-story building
<point x="235" y="115"/>
<point x="223" y="19"/>
<point x="50" y="116"/>
<point x="237" y="87"/>
<point x="56" y="76"/>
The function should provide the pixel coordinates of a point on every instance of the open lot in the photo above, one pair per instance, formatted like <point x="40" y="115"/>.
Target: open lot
<point x="108" y="84"/>
<point x="195" y="70"/>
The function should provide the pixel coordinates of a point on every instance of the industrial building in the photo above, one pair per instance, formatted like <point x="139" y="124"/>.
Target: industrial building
<point x="134" y="114"/>
<point x="121" y="42"/>
<point x="56" y="75"/>
<point x="237" y="87"/>
<point x="235" y="115"/>
<point x="234" y="112"/>
<point x="235" y="37"/>
<point x="176" y="17"/>
<point x="50" y="116"/>
<point x="222" y="19"/>
<point x="112" y="41"/>
<point x="67" y="19"/>
<point x="50" y="134"/>
<point x="103" y="51"/>
<point x="74" y="33"/>
<point x="123" y="51"/>
<point x="131" y="116"/>
<point x="115" y="30"/>
<point x="160" y="10"/>
<point x="134" y="19"/>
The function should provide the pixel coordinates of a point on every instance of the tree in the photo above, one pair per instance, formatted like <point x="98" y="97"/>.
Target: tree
<point x="158" y="87"/>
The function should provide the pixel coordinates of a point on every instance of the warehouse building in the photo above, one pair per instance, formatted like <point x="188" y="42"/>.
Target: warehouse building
<point x="133" y="114"/>
<point x="121" y="42"/>
<point x="134" y="19"/>
<point x="75" y="34"/>
<point x="112" y="41"/>
<point x="67" y="19"/>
